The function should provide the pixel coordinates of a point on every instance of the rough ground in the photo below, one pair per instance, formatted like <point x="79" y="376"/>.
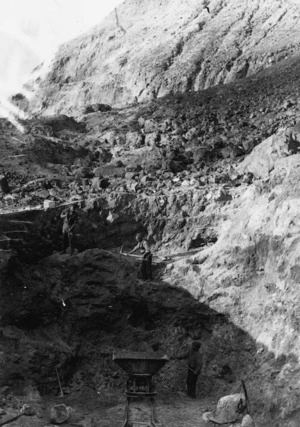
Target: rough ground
<point x="72" y="313"/>
<point x="225" y="234"/>
<point x="107" y="410"/>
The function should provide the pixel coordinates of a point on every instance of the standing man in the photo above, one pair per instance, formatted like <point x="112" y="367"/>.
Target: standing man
<point x="144" y="247"/>
<point x="70" y="219"/>
<point x="194" y="359"/>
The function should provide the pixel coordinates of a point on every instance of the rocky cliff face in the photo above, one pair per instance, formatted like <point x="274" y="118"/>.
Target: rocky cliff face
<point x="145" y="50"/>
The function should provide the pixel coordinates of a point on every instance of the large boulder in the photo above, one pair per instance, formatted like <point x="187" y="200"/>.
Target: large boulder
<point x="261" y="161"/>
<point x="229" y="409"/>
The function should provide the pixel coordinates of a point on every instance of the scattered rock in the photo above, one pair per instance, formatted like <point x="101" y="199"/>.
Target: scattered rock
<point x="150" y="126"/>
<point x="4" y="187"/>
<point x="104" y="183"/>
<point x="60" y="414"/>
<point x="112" y="217"/>
<point x="227" y="409"/>
<point x="97" y="172"/>
<point x="130" y="175"/>
<point x="28" y="410"/>
<point x="151" y="139"/>
<point x="223" y="195"/>
<point x="103" y="155"/>
<point x="176" y="167"/>
<point x="94" y="108"/>
<point x="43" y="194"/>
<point x="247" y="421"/>
<point x="110" y="137"/>
<point x="133" y="168"/>
<point x="135" y="139"/>
<point x="62" y="122"/>
<point x="262" y="159"/>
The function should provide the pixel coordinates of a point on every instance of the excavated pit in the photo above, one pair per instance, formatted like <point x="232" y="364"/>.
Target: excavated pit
<point x="71" y="313"/>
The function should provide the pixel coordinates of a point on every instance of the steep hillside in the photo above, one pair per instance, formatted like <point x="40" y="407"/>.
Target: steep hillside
<point x="145" y="50"/>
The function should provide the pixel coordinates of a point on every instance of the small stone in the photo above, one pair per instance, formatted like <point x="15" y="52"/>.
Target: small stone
<point x="112" y="217"/>
<point x="145" y="179"/>
<point x="4" y="390"/>
<point x="49" y="204"/>
<point x="226" y="152"/>
<point x="103" y="155"/>
<point x="151" y="139"/>
<point x="28" y="410"/>
<point x="133" y="187"/>
<point x="104" y="183"/>
<point x="93" y="108"/>
<point x="130" y="175"/>
<point x="134" y="139"/>
<point x="247" y="421"/>
<point x="53" y="192"/>
<point x="133" y="168"/>
<point x="97" y="172"/>
<point x="4" y="187"/>
<point x="43" y="194"/>
<point x="150" y="126"/>
<point x="60" y="414"/>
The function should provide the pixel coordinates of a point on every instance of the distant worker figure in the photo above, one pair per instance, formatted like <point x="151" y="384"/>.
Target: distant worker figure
<point x="194" y="358"/>
<point x="144" y="247"/>
<point x="70" y="219"/>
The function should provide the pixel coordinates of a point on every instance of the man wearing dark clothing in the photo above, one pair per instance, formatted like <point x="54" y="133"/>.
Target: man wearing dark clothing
<point x="194" y="359"/>
<point x="143" y="246"/>
<point x="70" y="219"/>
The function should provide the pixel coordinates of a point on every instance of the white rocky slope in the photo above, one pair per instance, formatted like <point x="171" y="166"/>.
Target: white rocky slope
<point x="146" y="49"/>
<point x="252" y="272"/>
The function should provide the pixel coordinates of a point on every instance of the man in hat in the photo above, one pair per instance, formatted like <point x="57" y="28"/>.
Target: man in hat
<point x="144" y="247"/>
<point x="194" y="362"/>
<point x="70" y="219"/>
